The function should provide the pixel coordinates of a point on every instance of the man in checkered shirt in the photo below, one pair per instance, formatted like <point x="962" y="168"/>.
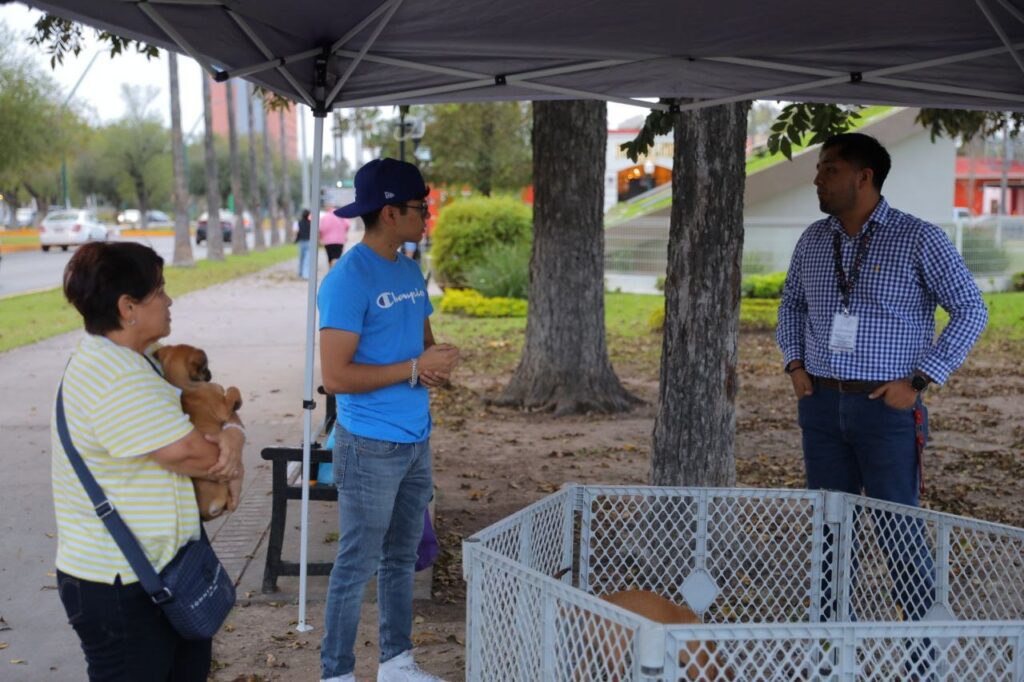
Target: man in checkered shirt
<point x="857" y="327"/>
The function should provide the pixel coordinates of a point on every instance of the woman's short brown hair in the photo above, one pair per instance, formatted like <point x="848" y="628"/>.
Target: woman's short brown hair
<point x="98" y="274"/>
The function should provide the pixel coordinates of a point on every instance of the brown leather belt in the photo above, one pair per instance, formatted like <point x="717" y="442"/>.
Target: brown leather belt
<point x="847" y="386"/>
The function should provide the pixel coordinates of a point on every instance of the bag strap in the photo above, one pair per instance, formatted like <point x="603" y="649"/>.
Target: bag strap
<point x="116" y="526"/>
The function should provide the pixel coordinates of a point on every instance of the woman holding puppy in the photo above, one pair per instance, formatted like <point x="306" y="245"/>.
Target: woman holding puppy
<point x="128" y="426"/>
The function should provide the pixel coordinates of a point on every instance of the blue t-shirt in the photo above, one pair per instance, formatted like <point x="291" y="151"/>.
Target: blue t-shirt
<point x="386" y="303"/>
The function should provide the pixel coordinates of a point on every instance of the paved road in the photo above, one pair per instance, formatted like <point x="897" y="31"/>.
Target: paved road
<point x="30" y="270"/>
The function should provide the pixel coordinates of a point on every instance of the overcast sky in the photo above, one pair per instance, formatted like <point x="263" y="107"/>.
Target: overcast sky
<point x="100" y="90"/>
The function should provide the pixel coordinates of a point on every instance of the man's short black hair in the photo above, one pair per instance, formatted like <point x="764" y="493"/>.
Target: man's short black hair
<point x="370" y="219"/>
<point x="863" y="151"/>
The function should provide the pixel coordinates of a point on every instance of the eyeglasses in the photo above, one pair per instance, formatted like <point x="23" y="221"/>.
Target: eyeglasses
<point x="424" y="209"/>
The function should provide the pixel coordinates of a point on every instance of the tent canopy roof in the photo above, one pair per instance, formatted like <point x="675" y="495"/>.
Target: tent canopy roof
<point x="936" y="53"/>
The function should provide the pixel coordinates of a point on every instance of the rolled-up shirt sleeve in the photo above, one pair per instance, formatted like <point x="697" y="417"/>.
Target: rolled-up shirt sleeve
<point x="792" y="311"/>
<point x="948" y="280"/>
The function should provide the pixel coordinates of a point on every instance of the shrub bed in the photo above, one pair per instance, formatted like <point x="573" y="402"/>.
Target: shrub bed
<point x="472" y="303"/>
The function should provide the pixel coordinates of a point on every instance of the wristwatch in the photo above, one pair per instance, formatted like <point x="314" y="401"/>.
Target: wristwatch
<point x="919" y="382"/>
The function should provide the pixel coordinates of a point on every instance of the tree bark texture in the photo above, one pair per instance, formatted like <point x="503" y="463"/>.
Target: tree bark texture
<point x="259" y="242"/>
<point x="695" y="427"/>
<point x="565" y="365"/>
<point x="268" y="176"/>
<point x="239" y="247"/>
<point x="214" y="237"/>
<point x="286" y="195"/>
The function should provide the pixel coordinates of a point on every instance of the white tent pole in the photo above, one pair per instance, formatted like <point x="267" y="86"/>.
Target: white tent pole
<point x="304" y="160"/>
<point x="307" y="392"/>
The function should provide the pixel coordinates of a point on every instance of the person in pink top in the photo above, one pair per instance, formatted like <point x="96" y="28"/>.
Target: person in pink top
<point x="333" y="233"/>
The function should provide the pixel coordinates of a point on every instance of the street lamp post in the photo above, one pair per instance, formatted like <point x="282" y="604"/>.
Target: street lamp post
<point x="63" y="152"/>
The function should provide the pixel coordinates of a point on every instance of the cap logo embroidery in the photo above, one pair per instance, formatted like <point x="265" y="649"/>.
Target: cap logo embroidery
<point x="389" y="195"/>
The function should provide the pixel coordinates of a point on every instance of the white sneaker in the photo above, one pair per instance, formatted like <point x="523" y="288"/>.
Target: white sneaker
<point x="351" y="677"/>
<point x="402" y="668"/>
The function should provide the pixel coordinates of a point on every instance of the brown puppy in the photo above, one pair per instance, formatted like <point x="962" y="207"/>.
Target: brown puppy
<point x="695" y="661"/>
<point x="208" y="405"/>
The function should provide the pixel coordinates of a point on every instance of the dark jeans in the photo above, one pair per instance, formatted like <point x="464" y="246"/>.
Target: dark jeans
<point x="852" y="444"/>
<point x="126" y="637"/>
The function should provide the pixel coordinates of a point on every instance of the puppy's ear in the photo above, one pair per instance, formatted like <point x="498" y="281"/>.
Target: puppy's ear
<point x="233" y="397"/>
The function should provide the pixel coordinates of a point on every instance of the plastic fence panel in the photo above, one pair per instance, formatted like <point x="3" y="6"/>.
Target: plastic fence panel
<point x="759" y="557"/>
<point x="986" y="574"/>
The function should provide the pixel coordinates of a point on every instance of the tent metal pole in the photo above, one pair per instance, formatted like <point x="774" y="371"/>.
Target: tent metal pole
<point x="586" y="94"/>
<point x="362" y="52"/>
<point x="358" y="28"/>
<point x="307" y="393"/>
<point x="1001" y="33"/>
<point x="262" y="47"/>
<point x="951" y="89"/>
<point x="420" y="92"/>
<point x="174" y="35"/>
<point x="1017" y="14"/>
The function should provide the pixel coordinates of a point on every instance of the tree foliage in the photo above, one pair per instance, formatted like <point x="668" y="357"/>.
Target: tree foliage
<point x="60" y="37"/>
<point x="485" y="145"/>
<point x="805" y="124"/>
<point x="35" y="130"/>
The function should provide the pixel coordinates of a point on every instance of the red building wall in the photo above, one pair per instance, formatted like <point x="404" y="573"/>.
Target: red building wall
<point x="218" y="97"/>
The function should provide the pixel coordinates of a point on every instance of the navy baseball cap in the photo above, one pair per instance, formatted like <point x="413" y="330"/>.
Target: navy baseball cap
<point x="382" y="182"/>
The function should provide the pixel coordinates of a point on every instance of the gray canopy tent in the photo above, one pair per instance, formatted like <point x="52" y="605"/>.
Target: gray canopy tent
<point x="935" y="53"/>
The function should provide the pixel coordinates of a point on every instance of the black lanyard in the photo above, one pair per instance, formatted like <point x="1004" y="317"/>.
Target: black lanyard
<point x="846" y="284"/>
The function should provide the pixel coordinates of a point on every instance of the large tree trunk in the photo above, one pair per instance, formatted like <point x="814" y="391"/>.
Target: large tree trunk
<point x="286" y="194"/>
<point x="238" y="244"/>
<point x="182" y="244"/>
<point x="258" y="240"/>
<point x="695" y="428"/>
<point x="565" y="365"/>
<point x="268" y="174"/>
<point x="214" y="237"/>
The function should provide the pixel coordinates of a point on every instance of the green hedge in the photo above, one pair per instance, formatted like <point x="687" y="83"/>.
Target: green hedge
<point x="472" y="303"/>
<point x="756" y="315"/>
<point x="763" y="286"/>
<point x="504" y="271"/>
<point x="467" y="228"/>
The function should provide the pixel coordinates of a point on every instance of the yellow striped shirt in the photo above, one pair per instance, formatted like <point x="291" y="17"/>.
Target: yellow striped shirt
<point x="118" y="410"/>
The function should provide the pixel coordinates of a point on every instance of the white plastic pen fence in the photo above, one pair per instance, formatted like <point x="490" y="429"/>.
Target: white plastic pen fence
<point x="788" y="584"/>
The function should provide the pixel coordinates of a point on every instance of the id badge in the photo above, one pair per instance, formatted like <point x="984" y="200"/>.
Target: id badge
<point x="844" y="333"/>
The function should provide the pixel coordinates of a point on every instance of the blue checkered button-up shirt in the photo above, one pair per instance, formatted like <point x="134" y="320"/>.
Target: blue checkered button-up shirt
<point x="910" y="267"/>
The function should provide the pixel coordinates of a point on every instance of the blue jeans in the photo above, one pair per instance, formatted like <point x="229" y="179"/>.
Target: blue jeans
<point x="303" y="258"/>
<point x="383" y="489"/>
<point x="853" y="444"/>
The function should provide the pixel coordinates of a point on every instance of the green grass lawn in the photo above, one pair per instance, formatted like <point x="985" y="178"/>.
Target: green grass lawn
<point x="497" y="342"/>
<point x="18" y="240"/>
<point x="33" y="317"/>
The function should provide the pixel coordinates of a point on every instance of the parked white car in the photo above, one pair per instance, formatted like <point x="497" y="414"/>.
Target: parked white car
<point x="71" y="227"/>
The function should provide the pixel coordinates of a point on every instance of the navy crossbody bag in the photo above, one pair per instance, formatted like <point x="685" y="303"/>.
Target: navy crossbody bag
<point x="194" y="591"/>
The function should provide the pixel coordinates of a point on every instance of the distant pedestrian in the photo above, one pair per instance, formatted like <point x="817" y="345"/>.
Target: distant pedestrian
<point x="302" y="228"/>
<point x="333" y="234"/>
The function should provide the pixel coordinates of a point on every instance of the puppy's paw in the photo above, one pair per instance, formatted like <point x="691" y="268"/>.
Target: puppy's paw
<point x="233" y="397"/>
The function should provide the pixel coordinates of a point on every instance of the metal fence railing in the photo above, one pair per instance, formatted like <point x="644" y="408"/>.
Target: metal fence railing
<point x="992" y="250"/>
<point x="787" y="585"/>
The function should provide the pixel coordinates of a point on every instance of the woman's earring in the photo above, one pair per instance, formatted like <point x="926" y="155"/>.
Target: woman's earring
<point x="131" y="322"/>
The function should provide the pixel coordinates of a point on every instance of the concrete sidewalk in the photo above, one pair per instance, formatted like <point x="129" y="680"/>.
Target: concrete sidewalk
<point x="253" y="330"/>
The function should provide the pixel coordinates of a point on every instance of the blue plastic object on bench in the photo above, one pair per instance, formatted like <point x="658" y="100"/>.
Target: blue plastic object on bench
<point x="325" y="472"/>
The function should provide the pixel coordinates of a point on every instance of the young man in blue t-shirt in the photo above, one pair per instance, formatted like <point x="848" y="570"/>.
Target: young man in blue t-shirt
<point x="377" y="353"/>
